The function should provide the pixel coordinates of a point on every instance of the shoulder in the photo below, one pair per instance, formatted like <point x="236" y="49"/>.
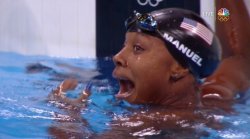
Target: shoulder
<point x="231" y="77"/>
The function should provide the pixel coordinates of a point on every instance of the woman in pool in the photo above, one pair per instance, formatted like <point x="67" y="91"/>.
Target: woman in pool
<point x="166" y="58"/>
<point x="171" y="58"/>
<point x="167" y="55"/>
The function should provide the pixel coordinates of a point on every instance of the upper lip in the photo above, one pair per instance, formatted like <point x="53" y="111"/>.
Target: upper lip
<point x="123" y="78"/>
<point x="119" y="74"/>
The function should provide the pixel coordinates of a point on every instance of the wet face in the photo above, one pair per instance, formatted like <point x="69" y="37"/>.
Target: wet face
<point x="143" y="69"/>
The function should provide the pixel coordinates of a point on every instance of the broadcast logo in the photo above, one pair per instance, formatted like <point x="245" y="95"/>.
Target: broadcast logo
<point x="223" y="15"/>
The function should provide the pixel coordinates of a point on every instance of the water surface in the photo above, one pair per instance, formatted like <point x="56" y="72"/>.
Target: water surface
<point x="26" y="112"/>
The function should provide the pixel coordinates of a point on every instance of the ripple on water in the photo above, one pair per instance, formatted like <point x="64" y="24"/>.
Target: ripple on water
<point x="146" y="132"/>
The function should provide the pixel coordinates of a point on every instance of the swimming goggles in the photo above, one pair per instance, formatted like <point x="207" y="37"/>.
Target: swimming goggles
<point x="145" y="22"/>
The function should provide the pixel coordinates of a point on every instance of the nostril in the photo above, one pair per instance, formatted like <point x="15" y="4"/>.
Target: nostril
<point x="118" y="61"/>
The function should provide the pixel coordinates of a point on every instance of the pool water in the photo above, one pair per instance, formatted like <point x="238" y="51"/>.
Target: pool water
<point x="26" y="112"/>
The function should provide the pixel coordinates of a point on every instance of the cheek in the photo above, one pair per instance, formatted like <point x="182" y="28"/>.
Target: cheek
<point x="150" y="68"/>
<point x="151" y="88"/>
<point x="154" y="81"/>
<point x="151" y="76"/>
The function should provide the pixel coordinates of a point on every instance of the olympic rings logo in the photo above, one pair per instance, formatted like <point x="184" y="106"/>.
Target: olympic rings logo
<point x="223" y="18"/>
<point x="152" y="3"/>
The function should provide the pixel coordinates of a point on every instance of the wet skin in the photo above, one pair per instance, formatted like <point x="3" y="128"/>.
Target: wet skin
<point x="148" y="74"/>
<point x="146" y="71"/>
<point x="233" y="74"/>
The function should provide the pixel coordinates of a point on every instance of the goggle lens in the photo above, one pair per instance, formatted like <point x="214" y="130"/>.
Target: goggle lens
<point x="145" y="22"/>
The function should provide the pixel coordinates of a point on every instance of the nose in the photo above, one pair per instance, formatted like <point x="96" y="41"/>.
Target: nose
<point x="119" y="59"/>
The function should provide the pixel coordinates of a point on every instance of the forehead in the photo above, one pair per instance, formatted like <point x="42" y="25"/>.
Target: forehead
<point x="146" y="38"/>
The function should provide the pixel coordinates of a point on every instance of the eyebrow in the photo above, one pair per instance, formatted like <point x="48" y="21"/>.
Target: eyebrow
<point x="144" y="34"/>
<point x="140" y="36"/>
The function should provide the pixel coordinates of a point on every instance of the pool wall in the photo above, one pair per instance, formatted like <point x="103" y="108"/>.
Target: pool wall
<point x="60" y="28"/>
<point x="78" y="28"/>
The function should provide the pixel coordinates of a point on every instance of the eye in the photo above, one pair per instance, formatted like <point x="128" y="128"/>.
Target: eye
<point x="137" y="48"/>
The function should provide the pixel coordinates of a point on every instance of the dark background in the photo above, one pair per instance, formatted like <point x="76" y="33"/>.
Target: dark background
<point x="111" y="14"/>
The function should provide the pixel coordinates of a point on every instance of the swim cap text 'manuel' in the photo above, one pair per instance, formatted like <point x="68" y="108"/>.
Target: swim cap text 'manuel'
<point x="185" y="50"/>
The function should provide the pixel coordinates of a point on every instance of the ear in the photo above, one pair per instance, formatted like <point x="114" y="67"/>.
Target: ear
<point x="178" y="72"/>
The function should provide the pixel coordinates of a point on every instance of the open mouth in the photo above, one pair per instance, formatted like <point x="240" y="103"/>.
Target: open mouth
<point x="126" y="89"/>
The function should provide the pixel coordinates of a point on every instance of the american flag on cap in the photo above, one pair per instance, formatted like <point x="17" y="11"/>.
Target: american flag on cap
<point x="198" y="29"/>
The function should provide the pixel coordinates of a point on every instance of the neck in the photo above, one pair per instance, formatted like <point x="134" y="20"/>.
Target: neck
<point x="184" y="93"/>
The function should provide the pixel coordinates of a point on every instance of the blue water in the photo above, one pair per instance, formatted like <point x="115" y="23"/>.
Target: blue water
<point x="26" y="112"/>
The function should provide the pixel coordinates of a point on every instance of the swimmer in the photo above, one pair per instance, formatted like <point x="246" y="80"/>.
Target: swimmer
<point x="167" y="58"/>
<point x="171" y="58"/>
<point x="166" y="55"/>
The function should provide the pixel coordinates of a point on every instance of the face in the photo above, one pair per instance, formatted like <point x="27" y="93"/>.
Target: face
<point x="143" y="68"/>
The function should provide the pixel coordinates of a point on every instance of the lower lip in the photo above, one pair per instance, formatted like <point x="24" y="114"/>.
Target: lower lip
<point x="123" y="95"/>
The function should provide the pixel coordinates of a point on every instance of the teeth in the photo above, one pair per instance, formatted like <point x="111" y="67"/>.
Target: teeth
<point x="126" y="87"/>
<point x="126" y="94"/>
<point x="122" y="95"/>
